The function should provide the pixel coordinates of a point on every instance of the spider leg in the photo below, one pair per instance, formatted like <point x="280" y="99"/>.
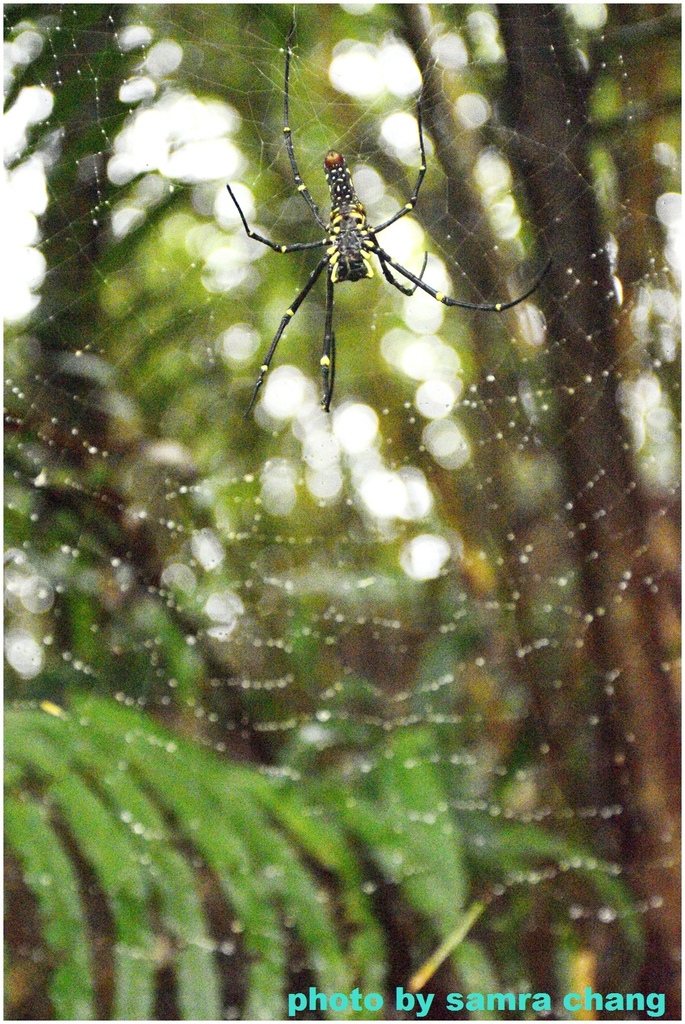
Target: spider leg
<point x="296" y="247"/>
<point x="328" y="354"/>
<point x="483" y="307"/>
<point x="393" y="280"/>
<point x="408" y="207"/>
<point x="301" y="187"/>
<point x="287" y="317"/>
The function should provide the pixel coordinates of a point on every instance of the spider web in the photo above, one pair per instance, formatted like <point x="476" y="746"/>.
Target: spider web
<point x="404" y="581"/>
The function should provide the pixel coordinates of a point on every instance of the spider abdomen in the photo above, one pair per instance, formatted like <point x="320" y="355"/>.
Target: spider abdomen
<point x="350" y="258"/>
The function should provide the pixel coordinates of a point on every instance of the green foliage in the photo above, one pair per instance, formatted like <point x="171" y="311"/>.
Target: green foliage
<point x="49" y="873"/>
<point x="117" y="782"/>
<point x="108" y="785"/>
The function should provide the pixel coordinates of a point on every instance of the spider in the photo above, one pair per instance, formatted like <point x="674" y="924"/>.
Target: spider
<point x="350" y="241"/>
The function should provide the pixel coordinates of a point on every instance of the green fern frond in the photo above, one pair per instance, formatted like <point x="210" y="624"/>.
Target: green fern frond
<point x="134" y="800"/>
<point x="144" y="808"/>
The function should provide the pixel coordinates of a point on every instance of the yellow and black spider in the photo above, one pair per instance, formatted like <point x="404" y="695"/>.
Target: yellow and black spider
<point x="349" y="243"/>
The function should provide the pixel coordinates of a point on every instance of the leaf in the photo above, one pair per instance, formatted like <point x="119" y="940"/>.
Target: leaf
<point x="118" y="779"/>
<point x="325" y="841"/>
<point x="411" y="791"/>
<point x="427" y="970"/>
<point x="50" y="875"/>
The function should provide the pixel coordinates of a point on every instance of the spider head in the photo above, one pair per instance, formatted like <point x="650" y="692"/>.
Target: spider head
<point x="339" y="180"/>
<point x="333" y="161"/>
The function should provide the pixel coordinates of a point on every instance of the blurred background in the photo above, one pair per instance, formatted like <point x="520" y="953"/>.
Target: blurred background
<point x="291" y="697"/>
